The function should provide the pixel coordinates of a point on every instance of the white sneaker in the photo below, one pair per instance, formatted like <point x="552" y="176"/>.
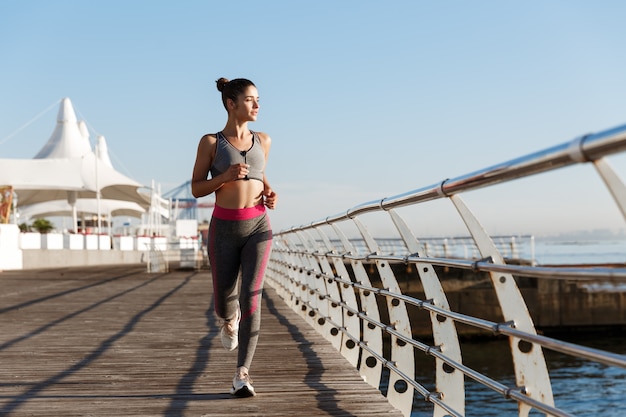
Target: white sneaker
<point x="230" y="332"/>
<point x="242" y="385"/>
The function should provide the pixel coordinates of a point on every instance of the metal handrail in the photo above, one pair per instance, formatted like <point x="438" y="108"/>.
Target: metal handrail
<point x="582" y="149"/>
<point x="312" y="276"/>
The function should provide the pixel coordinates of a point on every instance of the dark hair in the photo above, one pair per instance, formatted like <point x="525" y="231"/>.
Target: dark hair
<point x="233" y="88"/>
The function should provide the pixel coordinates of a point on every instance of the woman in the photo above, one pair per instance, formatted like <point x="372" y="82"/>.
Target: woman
<point x="240" y="235"/>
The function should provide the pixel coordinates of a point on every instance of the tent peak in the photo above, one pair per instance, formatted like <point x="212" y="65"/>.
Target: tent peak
<point x="82" y="126"/>
<point x="102" y="151"/>
<point x="69" y="139"/>
<point x="66" y="112"/>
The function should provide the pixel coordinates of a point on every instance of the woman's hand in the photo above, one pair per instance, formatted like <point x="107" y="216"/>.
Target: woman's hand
<point x="236" y="172"/>
<point x="269" y="198"/>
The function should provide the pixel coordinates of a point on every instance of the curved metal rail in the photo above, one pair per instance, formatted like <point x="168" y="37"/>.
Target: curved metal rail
<point x="355" y="301"/>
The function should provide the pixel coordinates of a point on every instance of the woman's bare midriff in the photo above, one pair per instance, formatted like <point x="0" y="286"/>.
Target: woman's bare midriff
<point x="240" y="194"/>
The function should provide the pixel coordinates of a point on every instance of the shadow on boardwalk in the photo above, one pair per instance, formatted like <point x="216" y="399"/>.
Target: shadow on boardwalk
<point x="117" y="341"/>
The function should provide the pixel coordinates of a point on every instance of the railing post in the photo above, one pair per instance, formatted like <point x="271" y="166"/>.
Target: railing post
<point x="530" y="365"/>
<point x="450" y="382"/>
<point x="295" y="283"/>
<point x="402" y="353"/>
<point x="369" y="368"/>
<point x="279" y="267"/>
<point x="613" y="183"/>
<point x="333" y="308"/>
<point x="318" y="307"/>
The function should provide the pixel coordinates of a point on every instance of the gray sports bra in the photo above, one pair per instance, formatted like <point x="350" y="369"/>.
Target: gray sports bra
<point x="226" y="155"/>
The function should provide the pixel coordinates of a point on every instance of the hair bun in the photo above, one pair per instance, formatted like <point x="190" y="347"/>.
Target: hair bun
<point x="221" y="83"/>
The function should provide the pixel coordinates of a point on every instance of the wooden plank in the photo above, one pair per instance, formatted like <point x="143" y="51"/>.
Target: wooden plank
<point x="117" y="341"/>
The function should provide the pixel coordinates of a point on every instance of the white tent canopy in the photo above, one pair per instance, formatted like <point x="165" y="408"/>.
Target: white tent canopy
<point x="40" y="180"/>
<point x="53" y="178"/>
<point x="86" y="206"/>
<point x="66" y="168"/>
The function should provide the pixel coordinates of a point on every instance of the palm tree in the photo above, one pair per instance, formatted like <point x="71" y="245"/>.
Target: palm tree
<point x="42" y="225"/>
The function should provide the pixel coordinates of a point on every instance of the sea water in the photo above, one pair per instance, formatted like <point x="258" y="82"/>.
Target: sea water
<point x="580" y="387"/>
<point x="580" y="251"/>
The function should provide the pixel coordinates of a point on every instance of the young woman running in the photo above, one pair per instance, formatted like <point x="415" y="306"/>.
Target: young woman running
<point x="240" y="236"/>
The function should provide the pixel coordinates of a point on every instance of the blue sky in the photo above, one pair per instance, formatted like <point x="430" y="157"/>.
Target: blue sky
<point x="363" y="99"/>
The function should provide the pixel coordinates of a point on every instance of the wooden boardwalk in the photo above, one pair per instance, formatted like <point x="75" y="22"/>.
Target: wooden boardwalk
<point x="117" y="341"/>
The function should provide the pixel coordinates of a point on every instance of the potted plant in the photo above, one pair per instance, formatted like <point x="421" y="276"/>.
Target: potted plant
<point x="43" y="226"/>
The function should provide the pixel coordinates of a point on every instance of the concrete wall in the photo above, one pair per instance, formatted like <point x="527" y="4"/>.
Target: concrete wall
<point x="53" y="250"/>
<point x="49" y="258"/>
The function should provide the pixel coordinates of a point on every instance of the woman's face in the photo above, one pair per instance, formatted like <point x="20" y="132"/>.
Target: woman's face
<point x="247" y="106"/>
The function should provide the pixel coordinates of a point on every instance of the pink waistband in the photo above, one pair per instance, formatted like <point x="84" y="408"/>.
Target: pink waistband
<point x="238" y="214"/>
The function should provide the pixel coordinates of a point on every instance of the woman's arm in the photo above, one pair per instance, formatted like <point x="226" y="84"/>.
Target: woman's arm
<point x="269" y="196"/>
<point x="200" y="184"/>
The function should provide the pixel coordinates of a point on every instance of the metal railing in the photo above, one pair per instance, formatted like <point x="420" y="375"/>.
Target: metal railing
<point x="514" y="247"/>
<point x="351" y="295"/>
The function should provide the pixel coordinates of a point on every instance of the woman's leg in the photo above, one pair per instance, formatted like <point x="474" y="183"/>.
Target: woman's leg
<point x="225" y="260"/>
<point x="254" y="257"/>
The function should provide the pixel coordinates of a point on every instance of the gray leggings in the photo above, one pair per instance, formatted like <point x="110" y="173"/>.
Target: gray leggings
<point x="240" y="240"/>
